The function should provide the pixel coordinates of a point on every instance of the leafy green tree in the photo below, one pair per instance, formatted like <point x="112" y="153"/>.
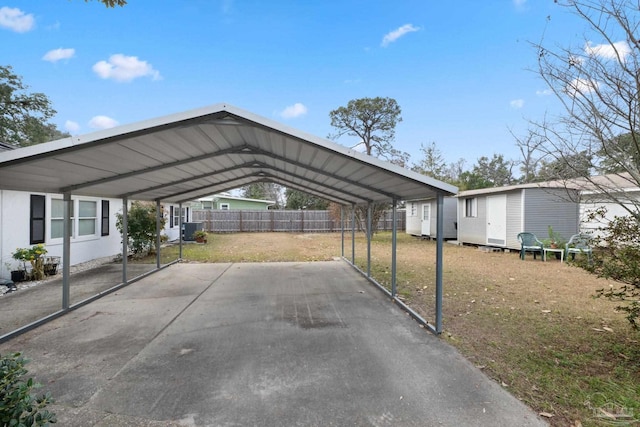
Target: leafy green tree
<point x="620" y="154"/>
<point x="301" y="200"/>
<point x="571" y="165"/>
<point x="494" y="172"/>
<point x="23" y="115"/>
<point x="432" y="163"/>
<point x="141" y="227"/>
<point x="264" y="191"/>
<point x="373" y="122"/>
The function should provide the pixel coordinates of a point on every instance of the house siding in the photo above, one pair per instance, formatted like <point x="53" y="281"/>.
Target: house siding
<point x="546" y="207"/>
<point x="530" y="209"/>
<point x="14" y="226"/>
<point x="514" y="217"/>
<point x="473" y="230"/>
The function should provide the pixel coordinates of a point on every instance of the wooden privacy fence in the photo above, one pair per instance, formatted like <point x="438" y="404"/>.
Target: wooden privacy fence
<point x="233" y="221"/>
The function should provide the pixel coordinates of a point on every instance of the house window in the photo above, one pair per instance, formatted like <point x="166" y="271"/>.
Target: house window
<point x="105" y="218"/>
<point x="224" y="206"/>
<point x="413" y="209"/>
<point x="37" y="219"/>
<point x="426" y="212"/>
<point x="57" y="219"/>
<point x="471" y="207"/>
<point x="87" y="217"/>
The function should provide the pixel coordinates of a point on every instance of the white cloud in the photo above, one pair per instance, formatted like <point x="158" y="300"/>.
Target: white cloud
<point x="71" y="126"/>
<point x="608" y="51"/>
<point x="125" y="68"/>
<point x="102" y="122"/>
<point x="396" y="34"/>
<point x="580" y="86"/>
<point x="16" y="20"/>
<point x="544" y="92"/>
<point x="58" y="54"/>
<point x="519" y="3"/>
<point x="293" y="111"/>
<point x="517" y="104"/>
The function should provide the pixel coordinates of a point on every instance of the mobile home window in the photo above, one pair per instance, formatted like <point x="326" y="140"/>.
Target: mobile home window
<point x="104" y="212"/>
<point x="36" y="232"/>
<point x="87" y="217"/>
<point x="224" y="206"/>
<point x="57" y="219"/>
<point x="414" y="209"/>
<point x="471" y="207"/>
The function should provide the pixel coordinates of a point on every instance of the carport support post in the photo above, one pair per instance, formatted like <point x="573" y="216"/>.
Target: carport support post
<point x="66" y="249"/>
<point x="369" y="233"/>
<point x="158" y="229"/>
<point x="353" y="234"/>
<point x="439" y="262"/>
<point x="394" y="244"/>
<point x="180" y="229"/>
<point x="125" y="237"/>
<point x="342" y="228"/>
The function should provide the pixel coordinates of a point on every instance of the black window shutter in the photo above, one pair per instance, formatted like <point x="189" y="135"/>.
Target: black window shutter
<point x="105" y="218"/>
<point x="170" y="216"/>
<point x="37" y="217"/>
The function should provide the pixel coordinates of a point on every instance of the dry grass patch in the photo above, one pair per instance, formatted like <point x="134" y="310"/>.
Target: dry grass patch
<point x="533" y="326"/>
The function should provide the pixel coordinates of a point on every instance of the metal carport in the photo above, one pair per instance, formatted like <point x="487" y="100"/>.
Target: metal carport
<point x="187" y="155"/>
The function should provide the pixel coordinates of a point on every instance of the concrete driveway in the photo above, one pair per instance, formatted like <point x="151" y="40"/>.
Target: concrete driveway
<point x="277" y="344"/>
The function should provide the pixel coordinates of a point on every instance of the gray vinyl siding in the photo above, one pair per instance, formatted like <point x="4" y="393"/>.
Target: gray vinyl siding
<point x="546" y="207"/>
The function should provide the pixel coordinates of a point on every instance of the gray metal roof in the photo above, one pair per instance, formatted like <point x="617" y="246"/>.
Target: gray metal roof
<point x="188" y="155"/>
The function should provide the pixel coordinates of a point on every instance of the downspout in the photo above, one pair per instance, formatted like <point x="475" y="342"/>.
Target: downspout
<point x="66" y="250"/>
<point x="125" y="237"/>
<point x="439" y="262"/>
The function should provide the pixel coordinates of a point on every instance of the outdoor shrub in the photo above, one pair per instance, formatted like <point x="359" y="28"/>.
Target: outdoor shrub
<point x="618" y="258"/>
<point x="141" y="226"/>
<point x="18" y="407"/>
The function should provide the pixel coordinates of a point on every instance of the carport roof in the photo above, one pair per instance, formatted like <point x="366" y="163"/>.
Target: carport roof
<point x="188" y="155"/>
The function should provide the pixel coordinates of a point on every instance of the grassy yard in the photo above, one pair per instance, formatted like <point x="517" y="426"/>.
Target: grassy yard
<point x="533" y="327"/>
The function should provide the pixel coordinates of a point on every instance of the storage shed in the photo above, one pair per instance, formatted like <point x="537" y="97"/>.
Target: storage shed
<point x="422" y="220"/>
<point x="495" y="216"/>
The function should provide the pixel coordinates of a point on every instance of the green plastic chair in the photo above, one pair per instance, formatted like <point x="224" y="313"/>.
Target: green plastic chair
<point x="578" y="244"/>
<point x="530" y="243"/>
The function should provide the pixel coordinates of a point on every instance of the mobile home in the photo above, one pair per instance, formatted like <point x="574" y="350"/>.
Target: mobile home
<point x="422" y="218"/>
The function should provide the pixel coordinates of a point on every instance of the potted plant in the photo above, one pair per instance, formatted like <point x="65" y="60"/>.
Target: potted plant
<point x="200" y="236"/>
<point x="20" y="274"/>
<point x="555" y="241"/>
<point x="35" y="256"/>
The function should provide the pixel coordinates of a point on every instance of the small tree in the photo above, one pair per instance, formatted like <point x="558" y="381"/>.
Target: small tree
<point x="141" y="226"/>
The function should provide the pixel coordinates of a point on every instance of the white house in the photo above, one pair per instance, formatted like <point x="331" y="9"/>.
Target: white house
<point x="29" y="218"/>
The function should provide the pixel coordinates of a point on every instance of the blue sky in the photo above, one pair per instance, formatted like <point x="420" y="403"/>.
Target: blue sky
<point x="461" y="71"/>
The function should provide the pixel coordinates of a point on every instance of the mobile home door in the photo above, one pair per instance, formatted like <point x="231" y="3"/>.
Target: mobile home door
<point x="426" y="220"/>
<point x="497" y="220"/>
